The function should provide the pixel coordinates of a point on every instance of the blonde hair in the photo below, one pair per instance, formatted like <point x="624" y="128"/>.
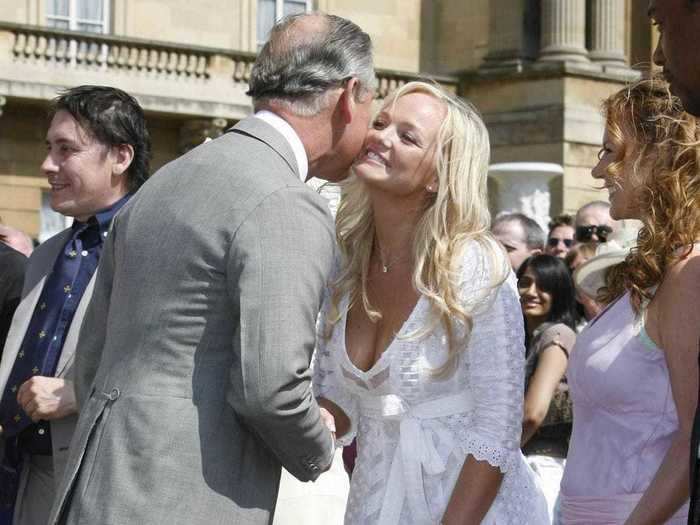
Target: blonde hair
<point x="456" y="213"/>
<point x="651" y="128"/>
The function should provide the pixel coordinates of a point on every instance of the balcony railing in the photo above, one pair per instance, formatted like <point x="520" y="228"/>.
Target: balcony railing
<point x="155" y="62"/>
<point x="78" y="49"/>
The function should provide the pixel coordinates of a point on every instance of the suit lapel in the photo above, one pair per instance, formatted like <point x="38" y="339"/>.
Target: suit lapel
<point x="264" y="132"/>
<point x="40" y="265"/>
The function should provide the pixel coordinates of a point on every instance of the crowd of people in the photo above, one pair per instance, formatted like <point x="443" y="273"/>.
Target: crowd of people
<point x="196" y="330"/>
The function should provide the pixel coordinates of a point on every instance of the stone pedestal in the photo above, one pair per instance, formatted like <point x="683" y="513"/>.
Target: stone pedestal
<point x="525" y="187"/>
<point x="194" y="132"/>
<point x="608" y="32"/>
<point x="563" y="36"/>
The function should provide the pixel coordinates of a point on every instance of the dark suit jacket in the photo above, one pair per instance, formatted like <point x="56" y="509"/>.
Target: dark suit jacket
<point x="694" y="512"/>
<point x="12" y="267"/>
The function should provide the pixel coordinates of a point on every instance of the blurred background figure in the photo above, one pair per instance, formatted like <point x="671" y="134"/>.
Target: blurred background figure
<point x="520" y="235"/>
<point x="586" y="306"/>
<point x="12" y="267"/>
<point x="547" y="298"/>
<point x="593" y="222"/>
<point x="16" y="239"/>
<point x="579" y="254"/>
<point x="561" y="236"/>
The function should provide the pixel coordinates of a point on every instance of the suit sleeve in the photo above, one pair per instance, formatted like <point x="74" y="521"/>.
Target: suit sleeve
<point x="278" y="264"/>
<point x="88" y="351"/>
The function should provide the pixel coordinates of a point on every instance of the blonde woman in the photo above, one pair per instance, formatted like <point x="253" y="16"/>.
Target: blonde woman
<point x="421" y="342"/>
<point x="633" y="373"/>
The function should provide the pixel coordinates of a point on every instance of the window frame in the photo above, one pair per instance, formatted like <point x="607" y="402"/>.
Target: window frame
<point x="279" y="13"/>
<point x="74" y="21"/>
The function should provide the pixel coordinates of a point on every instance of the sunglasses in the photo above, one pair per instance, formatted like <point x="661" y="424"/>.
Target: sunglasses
<point x="585" y="233"/>
<point x="553" y="242"/>
<point x="525" y="282"/>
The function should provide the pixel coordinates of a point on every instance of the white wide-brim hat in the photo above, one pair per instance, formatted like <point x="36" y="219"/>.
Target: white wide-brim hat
<point x="590" y="276"/>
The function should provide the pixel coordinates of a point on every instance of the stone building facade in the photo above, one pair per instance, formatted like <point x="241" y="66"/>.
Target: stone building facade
<point x="536" y="69"/>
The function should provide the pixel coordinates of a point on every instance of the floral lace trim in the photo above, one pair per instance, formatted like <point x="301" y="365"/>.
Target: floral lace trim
<point x="505" y="460"/>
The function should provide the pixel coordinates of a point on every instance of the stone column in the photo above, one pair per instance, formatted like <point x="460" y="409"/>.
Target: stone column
<point x="194" y="132"/>
<point x="608" y="32"/>
<point x="563" y="31"/>
<point x="506" y="35"/>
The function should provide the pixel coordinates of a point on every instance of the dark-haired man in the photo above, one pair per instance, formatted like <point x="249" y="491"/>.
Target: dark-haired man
<point x="97" y="156"/>
<point x="678" y="22"/>
<point x="193" y="376"/>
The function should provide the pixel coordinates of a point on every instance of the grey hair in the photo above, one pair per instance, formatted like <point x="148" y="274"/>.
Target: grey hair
<point x="534" y="234"/>
<point x="298" y="69"/>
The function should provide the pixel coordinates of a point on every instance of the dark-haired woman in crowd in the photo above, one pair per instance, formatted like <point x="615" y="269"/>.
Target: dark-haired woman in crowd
<point x="547" y="298"/>
<point x="633" y="374"/>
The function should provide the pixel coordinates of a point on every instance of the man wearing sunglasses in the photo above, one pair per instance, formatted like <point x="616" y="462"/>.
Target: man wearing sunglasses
<point x="561" y="236"/>
<point x="593" y="222"/>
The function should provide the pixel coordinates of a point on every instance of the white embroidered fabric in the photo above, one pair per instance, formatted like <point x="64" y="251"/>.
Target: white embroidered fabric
<point x="414" y="430"/>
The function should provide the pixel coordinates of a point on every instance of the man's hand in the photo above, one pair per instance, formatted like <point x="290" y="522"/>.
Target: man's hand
<point x="47" y="398"/>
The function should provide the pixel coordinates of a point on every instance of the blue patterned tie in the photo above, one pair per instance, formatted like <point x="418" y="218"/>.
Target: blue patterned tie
<point x="38" y="355"/>
<point x="40" y="349"/>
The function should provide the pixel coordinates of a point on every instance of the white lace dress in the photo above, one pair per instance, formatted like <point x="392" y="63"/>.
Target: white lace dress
<point x="414" y="430"/>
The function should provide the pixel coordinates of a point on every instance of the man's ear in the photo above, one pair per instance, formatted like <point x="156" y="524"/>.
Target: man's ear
<point x="346" y="102"/>
<point x="124" y="154"/>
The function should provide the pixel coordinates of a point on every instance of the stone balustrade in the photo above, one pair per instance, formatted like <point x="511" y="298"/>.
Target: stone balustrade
<point x="77" y="49"/>
<point x="51" y="48"/>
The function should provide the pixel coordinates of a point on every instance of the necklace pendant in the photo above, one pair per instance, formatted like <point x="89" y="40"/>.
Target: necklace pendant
<point x="385" y="268"/>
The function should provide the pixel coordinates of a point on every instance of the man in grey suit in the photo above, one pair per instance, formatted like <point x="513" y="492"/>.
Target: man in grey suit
<point x="193" y="365"/>
<point x="98" y="155"/>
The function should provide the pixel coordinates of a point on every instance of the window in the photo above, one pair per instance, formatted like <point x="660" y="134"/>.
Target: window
<point x="270" y="11"/>
<point x="78" y="15"/>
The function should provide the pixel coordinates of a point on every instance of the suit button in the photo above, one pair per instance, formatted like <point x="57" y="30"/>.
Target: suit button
<point x="114" y="394"/>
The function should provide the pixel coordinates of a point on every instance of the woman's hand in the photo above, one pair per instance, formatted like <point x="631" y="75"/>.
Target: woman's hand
<point x="334" y="417"/>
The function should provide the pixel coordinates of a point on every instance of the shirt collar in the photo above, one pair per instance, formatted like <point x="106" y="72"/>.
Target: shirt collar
<point x="291" y="137"/>
<point x="103" y="218"/>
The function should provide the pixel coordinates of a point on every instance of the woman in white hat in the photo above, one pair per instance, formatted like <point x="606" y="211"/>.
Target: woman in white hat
<point x="633" y="373"/>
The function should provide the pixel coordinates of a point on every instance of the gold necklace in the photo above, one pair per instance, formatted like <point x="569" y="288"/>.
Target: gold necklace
<point x="386" y="266"/>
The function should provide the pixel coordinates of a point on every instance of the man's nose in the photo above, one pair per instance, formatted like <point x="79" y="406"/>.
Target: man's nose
<point x="658" y="56"/>
<point x="49" y="166"/>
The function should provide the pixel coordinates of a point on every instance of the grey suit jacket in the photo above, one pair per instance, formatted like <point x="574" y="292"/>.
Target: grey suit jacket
<point x="192" y="369"/>
<point x="39" y="266"/>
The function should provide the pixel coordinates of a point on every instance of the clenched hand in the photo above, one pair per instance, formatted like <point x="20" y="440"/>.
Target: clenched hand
<point x="47" y="398"/>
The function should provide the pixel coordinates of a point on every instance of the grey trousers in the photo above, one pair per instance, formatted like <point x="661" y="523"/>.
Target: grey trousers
<point x="36" y="491"/>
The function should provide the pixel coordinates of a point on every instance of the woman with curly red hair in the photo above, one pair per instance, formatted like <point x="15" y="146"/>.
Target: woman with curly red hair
<point x="633" y="374"/>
